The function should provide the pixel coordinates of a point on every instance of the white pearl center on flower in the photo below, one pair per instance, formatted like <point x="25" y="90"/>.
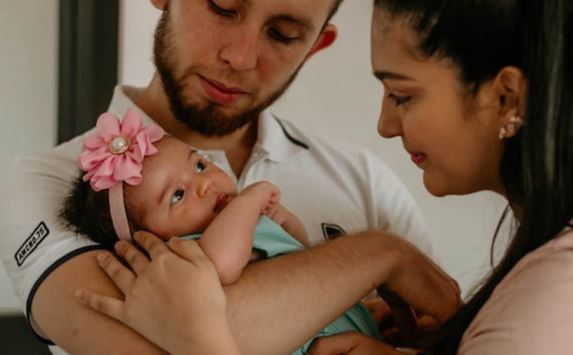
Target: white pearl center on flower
<point x="119" y="145"/>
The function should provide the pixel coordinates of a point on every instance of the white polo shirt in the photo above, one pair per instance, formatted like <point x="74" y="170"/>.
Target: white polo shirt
<point x="334" y="188"/>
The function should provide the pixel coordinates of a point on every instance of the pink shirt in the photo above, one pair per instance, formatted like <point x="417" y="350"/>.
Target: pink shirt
<point x="531" y="310"/>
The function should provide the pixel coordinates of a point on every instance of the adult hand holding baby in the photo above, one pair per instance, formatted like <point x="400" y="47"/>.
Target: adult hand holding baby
<point x="175" y="272"/>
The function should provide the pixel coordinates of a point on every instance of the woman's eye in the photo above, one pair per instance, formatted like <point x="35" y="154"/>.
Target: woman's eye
<point x="280" y="37"/>
<point x="177" y="196"/>
<point x="221" y="11"/>
<point x="399" y="100"/>
<point x="200" y="166"/>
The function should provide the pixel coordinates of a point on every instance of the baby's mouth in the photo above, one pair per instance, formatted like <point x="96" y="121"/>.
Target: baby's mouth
<point x="222" y="201"/>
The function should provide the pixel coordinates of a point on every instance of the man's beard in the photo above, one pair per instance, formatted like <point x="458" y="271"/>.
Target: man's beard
<point x="208" y="120"/>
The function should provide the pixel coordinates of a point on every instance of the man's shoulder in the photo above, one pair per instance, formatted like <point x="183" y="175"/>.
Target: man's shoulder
<point x="55" y="165"/>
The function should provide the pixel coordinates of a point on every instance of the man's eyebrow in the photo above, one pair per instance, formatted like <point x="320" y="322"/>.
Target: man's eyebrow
<point x="388" y="75"/>
<point x="300" y="21"/>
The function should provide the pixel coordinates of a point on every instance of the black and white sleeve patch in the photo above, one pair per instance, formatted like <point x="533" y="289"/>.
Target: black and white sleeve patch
<point x="31" y="243"/>
<point x="332" y="231"/>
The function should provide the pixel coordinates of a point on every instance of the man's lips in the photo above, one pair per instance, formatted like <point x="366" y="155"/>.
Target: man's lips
<point x="220" y="93"/>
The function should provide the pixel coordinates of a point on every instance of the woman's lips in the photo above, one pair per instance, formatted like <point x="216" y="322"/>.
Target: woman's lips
<point x="418" y="158"/>
<point x="219" y="93"/>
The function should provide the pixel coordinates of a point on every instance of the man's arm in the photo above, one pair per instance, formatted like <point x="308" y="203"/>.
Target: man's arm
<point x="294" y="296"/>
<point x="75" y="328"/>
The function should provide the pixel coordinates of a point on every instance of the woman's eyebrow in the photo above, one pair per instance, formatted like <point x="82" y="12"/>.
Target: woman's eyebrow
<point x="388" y="75"/>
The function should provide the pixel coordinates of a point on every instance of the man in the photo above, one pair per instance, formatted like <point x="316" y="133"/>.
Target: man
<point x="220" y="63"/>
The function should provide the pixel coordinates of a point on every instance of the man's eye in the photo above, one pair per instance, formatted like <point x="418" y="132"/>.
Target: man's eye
<point x="221" y="11"/>
<point x="280" y="37"/>
<point x="177" y="196"/>
<point x="200" y="166"/>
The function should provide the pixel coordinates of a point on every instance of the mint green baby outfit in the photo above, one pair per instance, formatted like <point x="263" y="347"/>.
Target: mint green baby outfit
<point x="271" y="240"/>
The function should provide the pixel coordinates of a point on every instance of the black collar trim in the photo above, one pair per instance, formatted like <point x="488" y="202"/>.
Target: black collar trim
<point x="289" y="137"/>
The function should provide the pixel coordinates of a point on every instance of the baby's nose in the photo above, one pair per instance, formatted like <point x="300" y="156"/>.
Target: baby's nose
<point x="204" y="187"/>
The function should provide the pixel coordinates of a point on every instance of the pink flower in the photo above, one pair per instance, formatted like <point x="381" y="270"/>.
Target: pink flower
<point x="115" y="152"/>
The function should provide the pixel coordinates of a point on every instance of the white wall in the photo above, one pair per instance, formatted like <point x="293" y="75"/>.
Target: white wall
<point x="337" y="96"/>
<point x="28" y="90"/>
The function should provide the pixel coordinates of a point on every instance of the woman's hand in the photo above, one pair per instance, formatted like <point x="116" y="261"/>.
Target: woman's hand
<point x="351" y="343"/>
<point x="173" y="297"/>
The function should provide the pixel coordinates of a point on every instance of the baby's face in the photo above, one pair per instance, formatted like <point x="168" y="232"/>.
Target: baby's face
<point x="181" y="192"/>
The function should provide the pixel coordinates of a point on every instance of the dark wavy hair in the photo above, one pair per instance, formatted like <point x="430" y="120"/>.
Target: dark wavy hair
<point x="86" y="212"/>
<point x="481" y="37"/>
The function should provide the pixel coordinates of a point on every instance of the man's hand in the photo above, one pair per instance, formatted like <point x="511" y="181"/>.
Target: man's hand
<point x="173" y="298"/>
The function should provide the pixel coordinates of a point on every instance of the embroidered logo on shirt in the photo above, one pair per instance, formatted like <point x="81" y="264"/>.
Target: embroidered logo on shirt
<point x="332" y="231"/>
<point x="31" y="243"/>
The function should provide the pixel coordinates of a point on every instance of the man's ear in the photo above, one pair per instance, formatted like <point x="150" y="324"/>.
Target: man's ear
<point x="324" y="40"/>
<point x="159" y="4"/>
<point x="510" y="87"/>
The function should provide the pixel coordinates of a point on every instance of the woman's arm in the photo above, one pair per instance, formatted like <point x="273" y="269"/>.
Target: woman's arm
<point x="228" y="240"/>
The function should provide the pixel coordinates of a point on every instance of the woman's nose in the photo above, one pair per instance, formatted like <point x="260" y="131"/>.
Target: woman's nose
<point x="389" y="125"/>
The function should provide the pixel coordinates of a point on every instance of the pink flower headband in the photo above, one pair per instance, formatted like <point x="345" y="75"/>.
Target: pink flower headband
<point x="113" y="155"/>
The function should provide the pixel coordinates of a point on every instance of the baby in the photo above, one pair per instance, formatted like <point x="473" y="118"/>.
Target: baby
<point x="136" y="178"/>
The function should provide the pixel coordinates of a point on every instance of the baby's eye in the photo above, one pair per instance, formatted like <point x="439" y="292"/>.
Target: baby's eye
<point x="177" y="196"/>
<point x="200" y="166"/>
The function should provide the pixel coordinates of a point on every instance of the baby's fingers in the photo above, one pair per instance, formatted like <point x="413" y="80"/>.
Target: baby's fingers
<point x="103" y="304"/>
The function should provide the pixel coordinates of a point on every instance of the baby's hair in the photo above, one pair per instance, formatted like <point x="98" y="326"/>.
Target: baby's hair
<point x="86" y="212"/>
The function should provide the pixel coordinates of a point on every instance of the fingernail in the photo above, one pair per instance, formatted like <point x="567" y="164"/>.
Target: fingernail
<point x="119" y="246"/>
<point x="101" y="257"/>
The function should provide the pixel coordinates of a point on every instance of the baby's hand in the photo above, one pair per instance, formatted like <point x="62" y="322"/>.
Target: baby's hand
<point x="290" y="223"/>
<point x="267" y="194"/>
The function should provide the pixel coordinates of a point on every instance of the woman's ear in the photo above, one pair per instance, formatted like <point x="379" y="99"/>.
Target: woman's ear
<point x="510" y="88"/>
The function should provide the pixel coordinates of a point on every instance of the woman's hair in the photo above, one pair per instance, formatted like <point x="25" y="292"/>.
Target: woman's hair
<point x="481" y="37"/>
<point x="86" y="211"/>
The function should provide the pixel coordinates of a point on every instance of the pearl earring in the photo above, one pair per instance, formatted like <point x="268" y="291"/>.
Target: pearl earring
<point x="515" y="122"/>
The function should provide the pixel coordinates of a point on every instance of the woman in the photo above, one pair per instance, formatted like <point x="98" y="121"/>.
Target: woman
<point x="480" y="93"/>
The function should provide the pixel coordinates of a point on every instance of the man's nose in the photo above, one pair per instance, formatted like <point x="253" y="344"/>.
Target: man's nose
<point x="241" y="51"/>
